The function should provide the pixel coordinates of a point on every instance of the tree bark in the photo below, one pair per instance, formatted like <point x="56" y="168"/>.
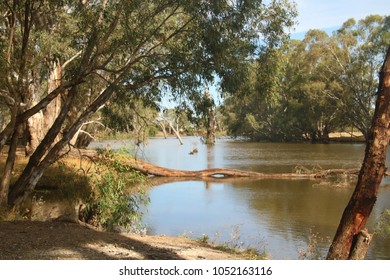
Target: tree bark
<point x="361" y="244"/>
<point x="39" y="124"/>
<point x="176" y="133"/>
<point x="210" y="135"/>
<point x="6" y="179"/>
<point x="210" y="119"/>
<point x="373" y="168"/>
<point x="21" y="118"/>
<point x="34" y="168"/>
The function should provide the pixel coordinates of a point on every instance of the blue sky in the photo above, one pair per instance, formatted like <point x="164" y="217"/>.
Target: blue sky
<point x="328" y="15"/>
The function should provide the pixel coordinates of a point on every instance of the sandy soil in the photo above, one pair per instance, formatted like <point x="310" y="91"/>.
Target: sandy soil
<point x="61" y="240"/>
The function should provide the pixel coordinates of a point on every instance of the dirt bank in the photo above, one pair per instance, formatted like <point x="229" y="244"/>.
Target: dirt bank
<point x="62" y="241"/>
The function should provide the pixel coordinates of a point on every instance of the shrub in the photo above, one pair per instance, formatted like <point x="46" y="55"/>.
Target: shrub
<point x="115" y="205"/>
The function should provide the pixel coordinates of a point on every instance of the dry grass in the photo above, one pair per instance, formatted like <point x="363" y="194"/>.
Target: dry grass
<point x="347" y="136"/>
<point x="68" y="175"/>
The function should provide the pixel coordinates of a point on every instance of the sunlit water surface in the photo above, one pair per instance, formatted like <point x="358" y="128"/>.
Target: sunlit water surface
<point x="287" y="219"/>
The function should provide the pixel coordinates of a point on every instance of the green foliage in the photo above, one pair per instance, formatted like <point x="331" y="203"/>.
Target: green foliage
<point x="91" y="53"/>
<point x="304" y="90"/>
<point x="383" y="225"/>
<point x="130" y="115"/>
<point x="355" y="55"/>
<point x="204" y="239"/>
<point x="114" y="205"/>
<point x="116" y="208"/>
<point x="113" y="193"/>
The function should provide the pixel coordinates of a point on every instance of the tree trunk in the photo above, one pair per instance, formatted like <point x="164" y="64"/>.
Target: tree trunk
<point x="219" y="173"/>
<point x="22" y="118"/>
<point x="34" y="168"/>
<point x="162" y="125"/>
<point x="210" y="136"/>
<point x="39" y="124"/>
<point x="9" y="165"/>
<point x="176" y="133"/>
<point x="34" y="132"/>
<point x="373" y="168"/>
<point x="46" y="153"/>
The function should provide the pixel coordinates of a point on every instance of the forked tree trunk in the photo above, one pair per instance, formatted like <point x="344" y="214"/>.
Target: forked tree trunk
<point x="47" y="152"/>
<point x="373" y="168"/>
<point x="176" y="131"/>
<point x="35" y="166"/>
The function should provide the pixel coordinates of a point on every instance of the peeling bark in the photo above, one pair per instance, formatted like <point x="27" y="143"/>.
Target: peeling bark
<point x="373" y="169"/>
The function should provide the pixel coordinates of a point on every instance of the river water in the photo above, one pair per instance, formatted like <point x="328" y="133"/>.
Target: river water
<point x="286" y="219"/>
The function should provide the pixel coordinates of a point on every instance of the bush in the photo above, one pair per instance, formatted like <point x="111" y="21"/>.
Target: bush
<point x="116" y="206"/>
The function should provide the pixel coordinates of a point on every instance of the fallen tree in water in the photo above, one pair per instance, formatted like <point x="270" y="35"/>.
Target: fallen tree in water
<point x="149" y="169"/>
<point x="153" y="170"/>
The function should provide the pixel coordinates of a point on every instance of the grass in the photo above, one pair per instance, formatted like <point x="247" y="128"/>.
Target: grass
<point x="231" y="246"/>
<point x="104" y="187"/>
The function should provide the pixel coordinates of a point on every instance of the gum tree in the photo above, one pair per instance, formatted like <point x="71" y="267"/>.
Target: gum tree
<point x="105" y="47"/>
<point x="351" y="240"/>
<point x="354" y="56"/>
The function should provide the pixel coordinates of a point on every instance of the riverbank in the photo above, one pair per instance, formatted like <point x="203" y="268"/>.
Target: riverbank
<point x="42" y="233"/>
<point x="346" y="137"/>
<point x="26" y="240"/>
<point x="276" y="201"/>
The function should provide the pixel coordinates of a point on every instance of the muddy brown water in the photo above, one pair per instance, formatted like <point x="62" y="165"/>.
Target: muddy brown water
<point x="284" y="218"/>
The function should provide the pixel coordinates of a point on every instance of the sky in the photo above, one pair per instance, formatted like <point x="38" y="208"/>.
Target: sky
<point x="328" y="15"/>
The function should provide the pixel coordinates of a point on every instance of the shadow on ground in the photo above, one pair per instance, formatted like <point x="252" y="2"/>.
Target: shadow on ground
<point x="59" y="240"/>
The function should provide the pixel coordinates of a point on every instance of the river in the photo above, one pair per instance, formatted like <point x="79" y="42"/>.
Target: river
<point x="286" y="219"/>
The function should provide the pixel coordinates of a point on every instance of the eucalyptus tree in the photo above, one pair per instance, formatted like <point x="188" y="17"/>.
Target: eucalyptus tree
<point x="303" y="90"/>
<point x="129" y="114"/>
<point x="355" y="54"/>
<point x="352" y="240"/>
<point x="307" y="99"/>
<point x="98" y="48"/>
<point x="336" y="76"/>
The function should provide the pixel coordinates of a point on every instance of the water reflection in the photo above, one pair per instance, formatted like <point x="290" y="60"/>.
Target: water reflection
<point x="279" y="216"/>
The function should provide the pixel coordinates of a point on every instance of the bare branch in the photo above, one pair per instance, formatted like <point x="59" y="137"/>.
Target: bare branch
<point x="87" y="133"/>
<point x="70" y="60"/>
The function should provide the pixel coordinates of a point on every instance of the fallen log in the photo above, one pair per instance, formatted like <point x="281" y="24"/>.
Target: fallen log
<point x="223" y="173"/>
<point x="149" y="169"/>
